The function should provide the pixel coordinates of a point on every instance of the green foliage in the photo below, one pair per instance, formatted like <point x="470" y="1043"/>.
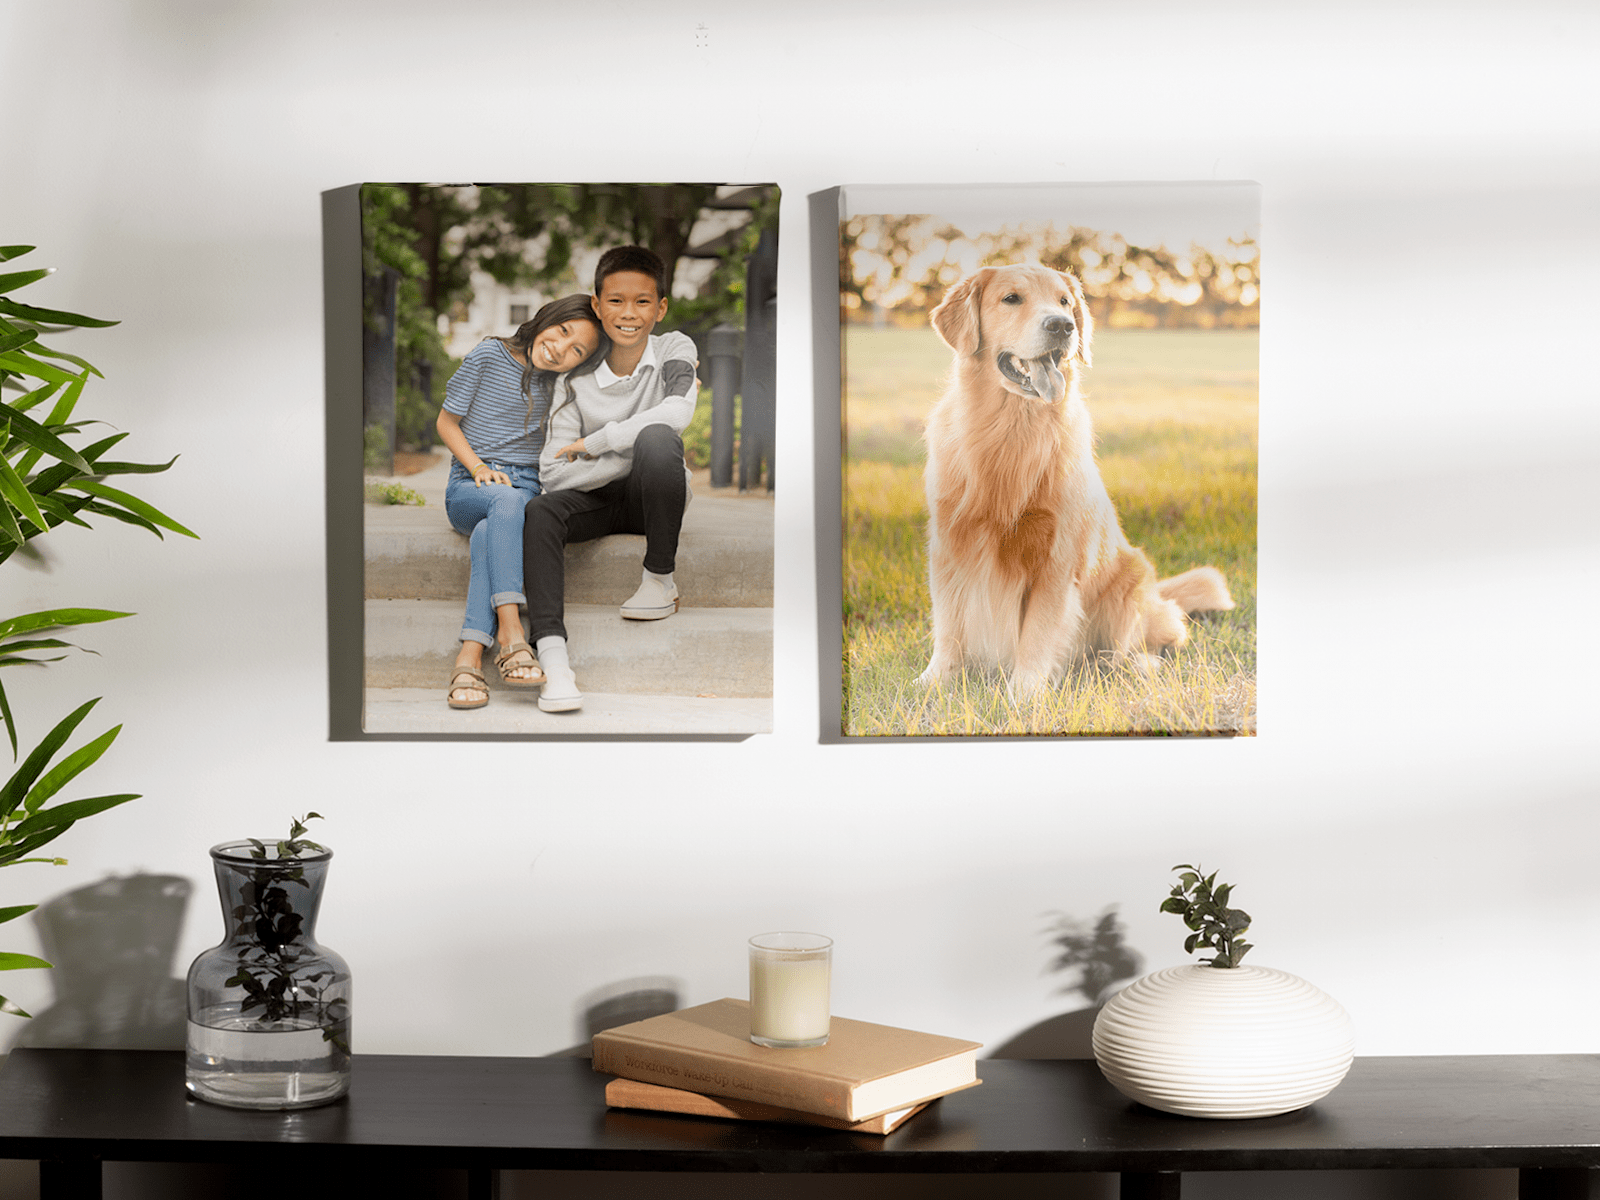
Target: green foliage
<point x="436" y="236"/>
<point x="393" y="493"/>
<point x="46" y="481"/>
<point x="1203" y="905"/>
<point x="697" y="435"/>
<point x="390" y="237"/>
<point x="267" y="930"/>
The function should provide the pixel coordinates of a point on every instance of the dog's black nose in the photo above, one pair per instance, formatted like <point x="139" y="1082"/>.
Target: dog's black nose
<point x="1058" y="323"/>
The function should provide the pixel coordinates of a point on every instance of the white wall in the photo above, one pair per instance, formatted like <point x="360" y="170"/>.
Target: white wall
<point x="1414" y="828"/>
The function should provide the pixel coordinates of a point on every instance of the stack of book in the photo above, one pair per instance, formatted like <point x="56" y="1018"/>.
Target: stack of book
<point x="867" y="1079"/>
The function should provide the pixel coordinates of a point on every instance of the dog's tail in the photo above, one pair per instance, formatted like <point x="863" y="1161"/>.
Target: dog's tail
<point x="1202" y="589"/>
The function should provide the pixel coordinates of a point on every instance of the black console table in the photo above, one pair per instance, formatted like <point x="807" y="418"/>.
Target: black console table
<point x="73" y="1109"/>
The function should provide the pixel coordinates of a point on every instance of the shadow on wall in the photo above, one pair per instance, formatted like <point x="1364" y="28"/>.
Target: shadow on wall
<point x="621" y="1003"/>
<point x="1099" y="952"/>
<point x="112" y="944"/>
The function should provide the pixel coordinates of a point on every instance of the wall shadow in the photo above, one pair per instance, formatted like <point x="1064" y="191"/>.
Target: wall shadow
<point x="1098" y="952"/>
<point x="621" y="1003"/>
<point x="113" y="944"/>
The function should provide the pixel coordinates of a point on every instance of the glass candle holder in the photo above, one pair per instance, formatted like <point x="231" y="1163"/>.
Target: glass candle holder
<point x="790" y="975"/>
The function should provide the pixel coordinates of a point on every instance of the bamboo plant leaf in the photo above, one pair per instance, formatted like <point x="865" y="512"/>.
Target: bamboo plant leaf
<point x="59" y="816"/>
<point x="56" y="420"/>
<point x="67" y="770"/>
<point x="50" y="316"/>
<point x="9" y="528"/>
<point x="34" y="398"/>
<point x="7" y="253"/>
<point x="28" y="430"/>
<point x="11" y="724"/>
<point x="15" y="911"/>
<point x="11" y="961"/>
<point x="12" y="280"/>
<point x="134" y="505"/>
<point x="22" y="780"/>
<point x="118" y="514"/>
<point x="52" y="352"/>
<point x="56" y="618"/>
<point x="132" y="468"/>
<point x="14" y="341"/>
<point x="16" y="494"/>
<point x="24" y="364"/>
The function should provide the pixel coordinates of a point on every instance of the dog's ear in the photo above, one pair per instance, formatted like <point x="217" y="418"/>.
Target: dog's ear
<point x="956" y="318"/>
<point x="1082" y="315"/>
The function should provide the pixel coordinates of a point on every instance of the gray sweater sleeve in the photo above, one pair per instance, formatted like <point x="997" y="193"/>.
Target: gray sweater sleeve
<point x="676" y="408"/>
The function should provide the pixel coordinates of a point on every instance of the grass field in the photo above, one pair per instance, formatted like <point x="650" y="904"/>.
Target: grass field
<point x="1175" y="419"/>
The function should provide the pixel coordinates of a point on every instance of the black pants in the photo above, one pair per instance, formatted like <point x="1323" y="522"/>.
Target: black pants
<point x="648" y="500"/>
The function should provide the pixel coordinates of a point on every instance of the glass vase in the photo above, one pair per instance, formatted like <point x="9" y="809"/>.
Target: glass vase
<point x="269" y="1009"/>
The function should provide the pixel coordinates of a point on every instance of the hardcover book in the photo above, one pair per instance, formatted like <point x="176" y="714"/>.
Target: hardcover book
<point x="863" y="1071"/>
<point x="631" y="1093"/>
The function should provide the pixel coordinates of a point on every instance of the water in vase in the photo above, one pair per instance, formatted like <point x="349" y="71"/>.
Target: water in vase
<point x="244" y="1062"/>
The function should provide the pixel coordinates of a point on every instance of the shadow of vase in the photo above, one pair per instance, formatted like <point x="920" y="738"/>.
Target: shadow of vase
<point x="1099" y="953"/>
<point x="112" y="944"/>
<point x="1067" y="1035"/>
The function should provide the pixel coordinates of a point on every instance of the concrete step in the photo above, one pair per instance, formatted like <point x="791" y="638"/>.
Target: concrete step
<point x="414" y="711"/>
<point x="718" y="652"/>
<point x="724" y="553"/>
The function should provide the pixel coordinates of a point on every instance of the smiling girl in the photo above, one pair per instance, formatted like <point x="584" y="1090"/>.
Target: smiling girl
<point x="493" y="421"/>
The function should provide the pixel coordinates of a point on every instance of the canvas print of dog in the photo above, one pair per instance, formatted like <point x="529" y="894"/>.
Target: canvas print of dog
<point x="1049" y="407"/>
<point x="1028" y="566"/>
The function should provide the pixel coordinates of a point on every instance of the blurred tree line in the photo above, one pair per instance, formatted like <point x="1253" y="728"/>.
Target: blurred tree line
<point x="434" y="237"/>
<point x="898" y="267"/>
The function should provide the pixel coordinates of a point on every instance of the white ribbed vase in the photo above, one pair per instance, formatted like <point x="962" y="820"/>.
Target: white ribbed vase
<point x="1232" y="1042"/>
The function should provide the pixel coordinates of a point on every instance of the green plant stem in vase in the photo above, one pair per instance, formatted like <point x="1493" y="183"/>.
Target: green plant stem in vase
<point x="269" y="1008"/>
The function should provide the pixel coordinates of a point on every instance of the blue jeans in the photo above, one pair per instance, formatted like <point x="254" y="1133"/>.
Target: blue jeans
<point x="491" y="516"/>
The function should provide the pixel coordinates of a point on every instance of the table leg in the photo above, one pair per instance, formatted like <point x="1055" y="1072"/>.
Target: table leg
<point x="483" y="1183"/>
<point x="74" y="1179"/>
<point x="1555" y="1183"/>
<point x="1151" y="1185"/>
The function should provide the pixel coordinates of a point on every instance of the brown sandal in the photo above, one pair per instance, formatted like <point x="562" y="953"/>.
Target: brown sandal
<point x="475" y="682"/>
<point x="505" y="661"/>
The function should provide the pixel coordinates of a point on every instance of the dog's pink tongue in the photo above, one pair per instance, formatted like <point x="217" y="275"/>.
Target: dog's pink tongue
<point x="1047" y="380"/>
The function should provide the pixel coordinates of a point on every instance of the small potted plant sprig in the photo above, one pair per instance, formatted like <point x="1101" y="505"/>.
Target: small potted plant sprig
<point x="1217" y="1038"/>
<point x="1203" y="904"/>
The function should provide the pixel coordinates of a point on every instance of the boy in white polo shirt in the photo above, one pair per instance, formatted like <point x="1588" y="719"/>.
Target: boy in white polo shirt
<point x="612" y="461"/>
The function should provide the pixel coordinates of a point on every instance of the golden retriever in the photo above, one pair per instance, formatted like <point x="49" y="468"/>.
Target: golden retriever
<point x="1027" y="564"/>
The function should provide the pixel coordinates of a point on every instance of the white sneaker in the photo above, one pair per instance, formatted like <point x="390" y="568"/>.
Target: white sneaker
<point x="560" y="692"/>
<point x="656" y="598"/>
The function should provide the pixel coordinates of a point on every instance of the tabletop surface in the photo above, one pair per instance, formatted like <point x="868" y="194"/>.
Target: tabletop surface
<point x="1486" y="1111"/>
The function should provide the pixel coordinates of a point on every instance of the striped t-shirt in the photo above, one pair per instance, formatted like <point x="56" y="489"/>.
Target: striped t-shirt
<point x="486" y="393"/>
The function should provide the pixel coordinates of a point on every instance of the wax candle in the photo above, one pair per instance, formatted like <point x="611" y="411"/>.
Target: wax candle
<point x="789" y="978"/>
